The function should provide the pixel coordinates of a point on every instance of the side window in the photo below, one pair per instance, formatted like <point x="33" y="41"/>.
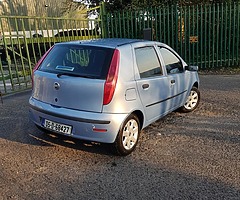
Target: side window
<point x="147" y="62"/>
<point x="172" y="63"/>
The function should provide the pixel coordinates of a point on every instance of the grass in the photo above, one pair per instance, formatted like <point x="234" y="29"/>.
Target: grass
<point x="221" y="71"/>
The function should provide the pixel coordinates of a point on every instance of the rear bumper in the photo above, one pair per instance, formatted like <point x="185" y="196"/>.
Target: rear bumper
<point x="82" y="122"/>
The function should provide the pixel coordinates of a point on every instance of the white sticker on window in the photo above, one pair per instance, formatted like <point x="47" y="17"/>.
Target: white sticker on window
<point x="65" y="68"/>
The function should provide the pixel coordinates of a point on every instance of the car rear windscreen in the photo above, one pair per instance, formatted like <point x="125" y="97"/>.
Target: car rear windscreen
<point x="78" y="60"/>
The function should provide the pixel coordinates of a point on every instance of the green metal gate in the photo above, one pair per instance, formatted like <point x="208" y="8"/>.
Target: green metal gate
<point x="204" y="35"/>
<point x="23" y="40"/>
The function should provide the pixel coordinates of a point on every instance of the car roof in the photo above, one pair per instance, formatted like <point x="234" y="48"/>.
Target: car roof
<point x="107" y="42"/>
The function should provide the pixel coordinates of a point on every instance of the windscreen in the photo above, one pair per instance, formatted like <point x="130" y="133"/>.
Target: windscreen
<point x="78" y="60"/>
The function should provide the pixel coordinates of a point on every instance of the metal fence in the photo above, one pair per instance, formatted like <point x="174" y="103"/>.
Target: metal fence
<point x="204" y="35"/>
<point x="23" y="40"/>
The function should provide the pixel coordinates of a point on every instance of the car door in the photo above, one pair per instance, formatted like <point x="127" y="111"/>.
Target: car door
<point x="177" y="78"/>
<point x="152" y="85"/>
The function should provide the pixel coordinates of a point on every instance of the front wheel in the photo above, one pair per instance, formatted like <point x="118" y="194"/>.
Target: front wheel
<point x="192" y="100"/>
<point x="128" y="136"/>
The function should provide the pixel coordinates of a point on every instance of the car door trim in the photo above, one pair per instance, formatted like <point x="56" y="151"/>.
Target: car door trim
<point x="166" y="99"/>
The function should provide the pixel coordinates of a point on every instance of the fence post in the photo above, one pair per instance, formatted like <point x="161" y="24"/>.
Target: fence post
<point x="6" y="51"/>
<point x="103" y="19"/>
<point x="1" y="97"/>
<point x="238" y="34"/>
<point x="147" y="34"/>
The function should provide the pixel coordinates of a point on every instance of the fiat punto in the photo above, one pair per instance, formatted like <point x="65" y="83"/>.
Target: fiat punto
<point x="107" y="90"/>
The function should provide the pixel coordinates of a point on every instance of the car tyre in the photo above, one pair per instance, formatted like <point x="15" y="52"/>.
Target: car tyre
<point x="192" y="101"/>
<point x="128" y="136"/>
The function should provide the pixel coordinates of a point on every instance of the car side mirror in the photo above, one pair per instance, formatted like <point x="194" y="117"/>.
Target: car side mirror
<point x="191" y="68"/>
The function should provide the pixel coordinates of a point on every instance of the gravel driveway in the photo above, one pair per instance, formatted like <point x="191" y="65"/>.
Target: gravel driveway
<point x="182" y="156"/>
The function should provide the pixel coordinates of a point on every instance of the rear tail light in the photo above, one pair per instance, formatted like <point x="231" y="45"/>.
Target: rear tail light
<point x="111" y="81"/>
<point x="40" y="62"/>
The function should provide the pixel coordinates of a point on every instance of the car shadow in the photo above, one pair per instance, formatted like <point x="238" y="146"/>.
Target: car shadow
<point x="43" y="138"/>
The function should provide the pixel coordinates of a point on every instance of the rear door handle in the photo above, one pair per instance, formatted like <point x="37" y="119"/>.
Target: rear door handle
<point x="145" y="86"/>
<point x="172" y="81"/>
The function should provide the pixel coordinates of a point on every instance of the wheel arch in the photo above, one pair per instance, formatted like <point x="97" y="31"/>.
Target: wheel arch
<point x="140" y="117"/>
<point x="196" y="84"/>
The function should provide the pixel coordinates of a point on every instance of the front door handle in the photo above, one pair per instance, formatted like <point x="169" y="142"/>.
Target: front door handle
<point x="145" y="86"/>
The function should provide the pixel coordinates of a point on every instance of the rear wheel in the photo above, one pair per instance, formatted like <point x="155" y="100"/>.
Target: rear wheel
<point x="192" y="100"/>
<point x="128" y="136"/>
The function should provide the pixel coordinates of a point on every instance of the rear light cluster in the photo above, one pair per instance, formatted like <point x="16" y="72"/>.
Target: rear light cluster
<point x="111" y="81"/>
<point x="40" y="62"/>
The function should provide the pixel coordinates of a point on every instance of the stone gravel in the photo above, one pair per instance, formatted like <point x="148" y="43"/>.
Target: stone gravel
<point x="181" y="156"/>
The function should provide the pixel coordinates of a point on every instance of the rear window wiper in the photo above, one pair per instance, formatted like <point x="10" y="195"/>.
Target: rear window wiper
<point x="74" y="75"/>
<point x="66" y="74"/>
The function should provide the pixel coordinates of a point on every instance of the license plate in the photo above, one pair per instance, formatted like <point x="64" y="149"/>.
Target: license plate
<point x="60" y="128"/>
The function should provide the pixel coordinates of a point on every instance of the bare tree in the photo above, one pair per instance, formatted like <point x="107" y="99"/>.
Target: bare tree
<point x="74" y="9"/>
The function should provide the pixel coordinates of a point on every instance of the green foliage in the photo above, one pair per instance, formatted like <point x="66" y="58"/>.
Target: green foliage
<point x="114" y="5"/>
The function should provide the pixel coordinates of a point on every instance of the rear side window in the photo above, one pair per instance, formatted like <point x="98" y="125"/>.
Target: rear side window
<point x="147" y="62"/>
<point x="86" y="61"/>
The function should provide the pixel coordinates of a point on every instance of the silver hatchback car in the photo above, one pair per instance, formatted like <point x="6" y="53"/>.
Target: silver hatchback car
<point x="107" y="90"/>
